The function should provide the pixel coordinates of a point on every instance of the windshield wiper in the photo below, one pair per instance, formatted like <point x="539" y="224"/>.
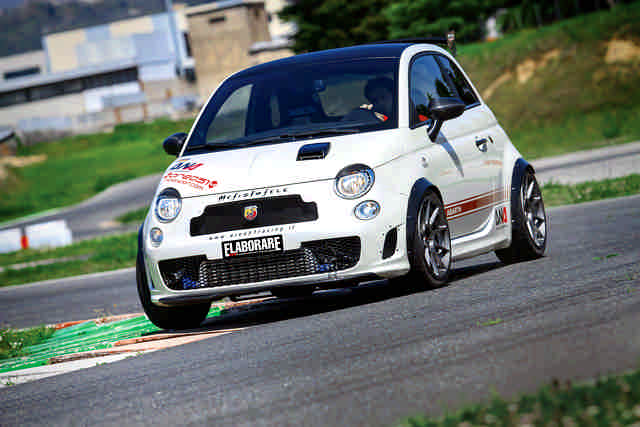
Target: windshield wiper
<point x="284" y="137"/>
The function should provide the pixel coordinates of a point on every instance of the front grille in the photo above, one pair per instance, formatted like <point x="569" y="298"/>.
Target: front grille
<point x="271" y="211"/>
<point x="319" y="256"/>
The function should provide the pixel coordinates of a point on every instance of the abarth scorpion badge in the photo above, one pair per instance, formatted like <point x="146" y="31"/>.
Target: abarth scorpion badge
<point x="250" y="212"/>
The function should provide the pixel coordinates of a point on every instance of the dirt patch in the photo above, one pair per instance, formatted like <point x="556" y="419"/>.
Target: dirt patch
<point x="488" y="92"/>
<point x="621" y="51"/>
<point x="528" y="67"/>
<point x="18" y="162"/>
<point x="523" y="72"/>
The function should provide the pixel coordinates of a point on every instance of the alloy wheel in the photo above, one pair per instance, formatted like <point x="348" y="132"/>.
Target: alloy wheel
<point x="434" y="233"/>
<point x="533" y="208"/>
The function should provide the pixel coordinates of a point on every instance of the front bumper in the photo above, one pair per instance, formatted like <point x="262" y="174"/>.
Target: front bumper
<point x="335" y="220"/>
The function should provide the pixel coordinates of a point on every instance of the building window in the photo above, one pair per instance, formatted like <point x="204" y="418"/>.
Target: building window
<point x="21" y="73"/>
<point x="217" y="19"/>
<point x="187" y="44"/>
<point x="67" y="87"/>
<point x="11" y="98"/>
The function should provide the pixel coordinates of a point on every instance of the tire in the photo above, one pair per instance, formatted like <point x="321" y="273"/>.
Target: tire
<point x="292" y="291"/>
<point x="529" y="224"/>
<point x="183" y="317"/>
<point x="430" y="240"/>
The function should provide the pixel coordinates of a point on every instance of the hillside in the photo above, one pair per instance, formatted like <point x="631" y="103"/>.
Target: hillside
<point x="574" y="84"/>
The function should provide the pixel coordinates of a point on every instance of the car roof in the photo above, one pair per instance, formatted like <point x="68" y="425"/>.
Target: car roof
<point x="369" y="51"/>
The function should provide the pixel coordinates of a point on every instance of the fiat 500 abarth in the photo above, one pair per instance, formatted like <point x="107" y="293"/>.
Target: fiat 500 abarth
<point x="328" y="169"/>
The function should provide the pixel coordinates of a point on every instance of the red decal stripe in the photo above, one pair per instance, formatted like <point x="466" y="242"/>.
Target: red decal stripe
<point x="473" y="204"/>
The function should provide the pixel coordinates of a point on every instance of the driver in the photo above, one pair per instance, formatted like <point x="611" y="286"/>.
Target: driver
<point x="379" y="92"/>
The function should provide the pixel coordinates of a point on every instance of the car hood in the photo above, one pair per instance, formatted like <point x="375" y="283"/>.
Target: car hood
<point x="276" y="164"/>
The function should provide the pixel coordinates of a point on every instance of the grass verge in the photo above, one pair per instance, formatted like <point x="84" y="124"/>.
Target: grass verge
<point x="13" y="343"/>
<point x="108" y="253"/>
<point x="133" y="217"/>
<point x="605" y="402"/>
<point x="557" y="194"/>
<point x="81" y="166"/>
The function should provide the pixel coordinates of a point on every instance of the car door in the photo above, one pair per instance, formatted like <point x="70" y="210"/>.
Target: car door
<point x="465" y="173"/>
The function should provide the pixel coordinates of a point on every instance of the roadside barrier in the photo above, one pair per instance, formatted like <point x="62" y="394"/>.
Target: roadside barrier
<point x="50" y="234"/>
<point x="11" y="240"/>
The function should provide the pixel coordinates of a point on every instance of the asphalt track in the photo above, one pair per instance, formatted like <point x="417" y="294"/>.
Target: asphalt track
<point x="376" y="354"/>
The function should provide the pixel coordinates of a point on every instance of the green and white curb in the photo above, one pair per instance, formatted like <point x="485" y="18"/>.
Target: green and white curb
<point x="95" y="342"/>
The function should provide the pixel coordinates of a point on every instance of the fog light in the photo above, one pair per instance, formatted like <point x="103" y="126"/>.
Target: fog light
<point x="156" y="236"/>
<point x="367" y="210"/>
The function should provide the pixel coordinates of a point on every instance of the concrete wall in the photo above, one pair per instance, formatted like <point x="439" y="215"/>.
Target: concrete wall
<point x="36" y="58"/>
<point x="277" y="27"/>
<point x="221" y="38"/>
<point x="270" y="55"/>
<point x="144" y="39"/>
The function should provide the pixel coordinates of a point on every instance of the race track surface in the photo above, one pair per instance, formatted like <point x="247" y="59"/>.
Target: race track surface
<point x="373" y="355"/>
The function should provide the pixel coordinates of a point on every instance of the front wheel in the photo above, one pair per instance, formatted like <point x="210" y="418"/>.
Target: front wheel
<point x="430" y="257"/>
<point x="529" y="223"/>
<point x="184" y="317"/>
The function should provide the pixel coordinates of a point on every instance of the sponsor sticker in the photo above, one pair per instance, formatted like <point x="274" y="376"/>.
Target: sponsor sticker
<point x="453" y="211"/>
<point x="251" y="246"/>
<point x="197" y="182"/>
<point x="501" y="215"/>
<point x="250" y="194"/>
<point x="185" y="165"/>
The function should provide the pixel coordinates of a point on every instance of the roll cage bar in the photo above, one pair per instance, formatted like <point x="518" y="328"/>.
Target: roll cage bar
<point x="448" y="41"/>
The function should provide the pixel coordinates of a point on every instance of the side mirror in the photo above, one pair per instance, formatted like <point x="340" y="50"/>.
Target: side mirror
<point x="173" y="144"/>
<point x="441" y="110"/>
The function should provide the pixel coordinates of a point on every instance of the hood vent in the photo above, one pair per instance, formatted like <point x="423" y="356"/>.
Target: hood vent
<point x="313" y="151"/>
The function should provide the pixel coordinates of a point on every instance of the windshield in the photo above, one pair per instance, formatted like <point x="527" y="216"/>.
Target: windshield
<point x="299" y="101"/>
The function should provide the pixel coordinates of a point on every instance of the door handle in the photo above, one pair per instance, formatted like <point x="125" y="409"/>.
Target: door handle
<point x="481" y="143"/>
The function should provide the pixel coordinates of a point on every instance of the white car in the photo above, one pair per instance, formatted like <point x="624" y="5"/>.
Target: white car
<point x="327" y="169"/>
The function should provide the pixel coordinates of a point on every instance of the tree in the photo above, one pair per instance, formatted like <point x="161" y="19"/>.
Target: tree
<point x="419" y="18"/>
<point x="336" y="23"/>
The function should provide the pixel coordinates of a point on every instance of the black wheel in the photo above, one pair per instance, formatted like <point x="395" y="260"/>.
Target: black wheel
<point x="184" y="317"/>
<point x="528" y="222"/>
<point x="292" y="291"/>
<point x="430" y="257"/>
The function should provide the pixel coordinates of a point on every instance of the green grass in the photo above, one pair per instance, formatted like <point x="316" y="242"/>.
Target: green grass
<point x="135" y="217"/>
<point x="605" y="402"/>
<point x="12" y="343"/>
<point x="108" y="253"/>
<point x="577" y="100"/>
<point x="556" y="194"/>
<point x="79" y="167"/>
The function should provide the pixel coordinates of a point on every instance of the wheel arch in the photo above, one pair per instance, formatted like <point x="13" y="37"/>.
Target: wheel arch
<point x="519" y="168"/>
<point x="419" y="188"/>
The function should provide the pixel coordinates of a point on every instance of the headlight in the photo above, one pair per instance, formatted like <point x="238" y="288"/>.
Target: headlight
<point x="354" y="181"/>
<point x="168" y="205"/>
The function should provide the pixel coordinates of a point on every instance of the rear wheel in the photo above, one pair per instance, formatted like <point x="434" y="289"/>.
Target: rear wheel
<point x="184" y="317"/>
<point x="430" y="257"/>
<point x="529" y="223"/>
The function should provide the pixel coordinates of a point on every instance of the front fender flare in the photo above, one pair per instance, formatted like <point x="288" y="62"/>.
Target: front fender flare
<point x="420" y="187"/>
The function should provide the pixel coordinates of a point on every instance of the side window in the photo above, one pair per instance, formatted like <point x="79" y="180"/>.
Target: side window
<point x="426" y="82"/>
<point x="455" y="75"/>
<point x="230" y="122"/>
